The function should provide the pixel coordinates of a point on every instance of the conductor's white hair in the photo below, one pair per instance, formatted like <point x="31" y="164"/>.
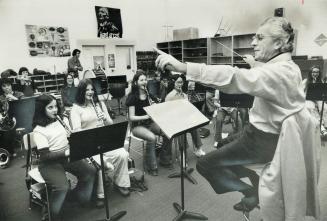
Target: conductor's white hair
<point x="282" y="29"/>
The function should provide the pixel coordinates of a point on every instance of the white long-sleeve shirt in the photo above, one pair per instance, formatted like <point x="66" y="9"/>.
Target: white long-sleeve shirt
<point x="276" y="86"/>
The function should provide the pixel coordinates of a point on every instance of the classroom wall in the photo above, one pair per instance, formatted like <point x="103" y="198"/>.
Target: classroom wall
<point x="143" y="22"/>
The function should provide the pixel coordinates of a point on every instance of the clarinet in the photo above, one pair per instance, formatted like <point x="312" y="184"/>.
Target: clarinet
<point x="64" y="125"/>
<point x="100" y="121"/>
<point x="95" y="164"/>
<point x="148" y="96"/>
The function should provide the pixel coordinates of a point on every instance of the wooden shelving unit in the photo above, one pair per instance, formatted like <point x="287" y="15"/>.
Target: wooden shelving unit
<point x="210" y="50"/>
<point x="49" y="83"/>
<point x="146" y="60"/>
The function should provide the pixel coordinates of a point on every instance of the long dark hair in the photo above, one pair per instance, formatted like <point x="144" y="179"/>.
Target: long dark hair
<point x="174" y="78"/>
<point x="65" y="80"/>
<point x="135" y="87"/>
<point x="310" y="79"/>
<point x="81" y="90"/>
<point x="40" y="118"/>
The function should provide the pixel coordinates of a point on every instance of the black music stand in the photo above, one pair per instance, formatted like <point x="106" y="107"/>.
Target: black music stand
<point x="184" y="118"/>
<point x="317" y="92"/>
<point x="236" y="100"/>
<point x="88" y="143"/>
<point x="117" y="85"/>
<point x="187" y="172"/>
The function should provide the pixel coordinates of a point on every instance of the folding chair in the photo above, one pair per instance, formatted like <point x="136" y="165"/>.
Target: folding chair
<point x="131" y="137"/>
<point x="38" y="190"/>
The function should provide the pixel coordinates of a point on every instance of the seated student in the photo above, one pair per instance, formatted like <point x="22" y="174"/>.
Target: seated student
<point x="25" y="83"/>
<point x="153" y="86"/>
<point x="7" y="92"/>
<point x="219" y="119"/>
<point x="142" y="126"/>
<point x="314" y="107"/>
<point x="8" y="73"/>
<point x="50" y="137"/>
<point x="176" y="94"/>
<point x="68" y="92"/>
<point x="7" y="137"/>
<point x="88" y="113"/>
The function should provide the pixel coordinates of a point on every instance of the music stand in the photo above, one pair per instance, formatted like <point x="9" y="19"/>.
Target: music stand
<point x="88" y="143"/>
<point x="317" y="92"/>
<point x="117" y="85"/>
<point x="236" y="100"/>
<point x="182" y="118"/>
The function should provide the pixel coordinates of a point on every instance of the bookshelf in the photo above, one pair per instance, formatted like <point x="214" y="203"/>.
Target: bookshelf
<point x="146" y="60"/>
<point x="49" y="83"/>
<point x="210" y="51"/>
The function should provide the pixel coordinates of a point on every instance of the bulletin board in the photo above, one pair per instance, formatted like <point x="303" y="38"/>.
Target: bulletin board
<point x="47" y="41"/>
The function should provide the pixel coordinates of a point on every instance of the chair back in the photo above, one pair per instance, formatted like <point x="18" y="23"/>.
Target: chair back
<point x="29" y="146"/>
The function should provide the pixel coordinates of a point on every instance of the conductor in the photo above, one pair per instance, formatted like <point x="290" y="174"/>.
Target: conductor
<point x="275" y="81"/>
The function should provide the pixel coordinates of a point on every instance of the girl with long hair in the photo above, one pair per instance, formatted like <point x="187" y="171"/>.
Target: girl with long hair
<point x="89" y="112"/>
<point x="50" y="136"/>
<point x="141" y="124"/>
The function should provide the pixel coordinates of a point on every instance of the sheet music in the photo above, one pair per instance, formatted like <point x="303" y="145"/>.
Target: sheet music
<point x="175" y="117"/>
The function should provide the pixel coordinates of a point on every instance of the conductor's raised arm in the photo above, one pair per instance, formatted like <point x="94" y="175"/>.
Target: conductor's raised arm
<point x="166" y="61"/>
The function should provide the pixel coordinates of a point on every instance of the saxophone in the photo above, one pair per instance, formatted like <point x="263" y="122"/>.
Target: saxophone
<point x="6" y="122"/>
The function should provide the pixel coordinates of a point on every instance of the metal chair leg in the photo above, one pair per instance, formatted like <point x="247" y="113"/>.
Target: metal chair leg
<point x="48" y="202"/>
<point x="246" y="216"/>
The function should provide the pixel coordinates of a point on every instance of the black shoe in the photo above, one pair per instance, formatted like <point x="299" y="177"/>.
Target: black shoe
<point x="153" y="172"/>
<point x="247" y="204"/>
<point x="218" y="144"/>
<point x="99" y="203"/>
<point x="142" y="185"/>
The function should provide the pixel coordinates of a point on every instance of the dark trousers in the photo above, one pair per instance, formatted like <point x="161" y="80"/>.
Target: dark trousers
<point x="223" y="167"/>
<point x="7" y="140"/>
<point x="219" y="121"/>
<point x="55" y="177"/>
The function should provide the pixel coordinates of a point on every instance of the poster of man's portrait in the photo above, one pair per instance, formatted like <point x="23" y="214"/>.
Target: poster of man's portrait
<point x="109" y="22"/>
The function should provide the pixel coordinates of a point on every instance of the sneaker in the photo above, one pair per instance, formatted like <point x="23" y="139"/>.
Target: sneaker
<point x="199" y="152"/>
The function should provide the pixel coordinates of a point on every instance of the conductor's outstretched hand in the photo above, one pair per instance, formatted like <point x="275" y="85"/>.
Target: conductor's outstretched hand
<point x="166" y="61"/>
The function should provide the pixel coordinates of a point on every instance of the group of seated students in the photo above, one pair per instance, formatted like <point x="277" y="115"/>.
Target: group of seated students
<point x="86" y="111"/>
<point x="24" y="87"/>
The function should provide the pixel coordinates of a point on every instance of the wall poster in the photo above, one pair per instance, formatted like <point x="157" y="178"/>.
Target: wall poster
<point x="109" y="22"/>
<point x="98" y="62"/>
<point x="111" y="60"/>
<point x="47" y="41"/>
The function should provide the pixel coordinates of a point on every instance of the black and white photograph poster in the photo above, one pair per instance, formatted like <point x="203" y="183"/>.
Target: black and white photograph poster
<point x="109" y="22"/>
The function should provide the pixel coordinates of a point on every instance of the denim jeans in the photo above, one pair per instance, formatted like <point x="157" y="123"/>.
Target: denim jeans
<point x="55" y="178"/>
<point x="166" y="152"/>
<point x="219" y="120"/>
<point x="223" y="167"/>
